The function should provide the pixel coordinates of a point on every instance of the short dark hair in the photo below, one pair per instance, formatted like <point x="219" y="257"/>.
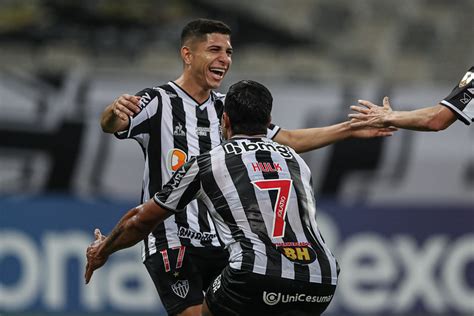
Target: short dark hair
<point x="201" y="27"/>
<point x="248" y="105"/>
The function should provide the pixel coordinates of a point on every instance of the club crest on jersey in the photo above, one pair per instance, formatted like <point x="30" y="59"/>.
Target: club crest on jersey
<point x="178" y="130"/>
<point x="301" y="253"/>
<point x="239" y="148"/>
<point x="181" y="288"/>
<point x="468" y="77"/>
<point x="175" y="159"/>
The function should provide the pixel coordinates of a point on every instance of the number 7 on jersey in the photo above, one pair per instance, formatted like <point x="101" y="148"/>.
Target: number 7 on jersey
<point x="283" y="186"/>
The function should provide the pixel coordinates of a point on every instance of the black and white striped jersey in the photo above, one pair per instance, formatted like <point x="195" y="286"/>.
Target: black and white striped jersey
<point x="460" y="98"/>
<point x="171" y="128"/>
<point x="260" y="196"/>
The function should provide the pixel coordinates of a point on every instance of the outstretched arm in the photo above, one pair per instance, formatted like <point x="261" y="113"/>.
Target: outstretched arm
<point x="135" y="225"/>
<point x="303" y="140"/>
<point x="116" y="115"/>
<point x="434" y="118"/>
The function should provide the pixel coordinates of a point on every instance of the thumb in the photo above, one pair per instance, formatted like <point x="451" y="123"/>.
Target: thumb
<point x="97" y="234"/>
<point x="386" y="102"/>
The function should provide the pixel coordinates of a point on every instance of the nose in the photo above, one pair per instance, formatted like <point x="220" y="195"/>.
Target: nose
<point x="225" y="59"/>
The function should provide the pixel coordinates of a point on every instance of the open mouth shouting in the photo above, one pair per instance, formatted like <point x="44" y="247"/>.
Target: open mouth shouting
<point x="217" y="73"/>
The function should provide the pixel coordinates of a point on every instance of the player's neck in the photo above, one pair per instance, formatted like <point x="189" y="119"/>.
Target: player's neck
<point x="247" y="136"/>
<point x="192" y="88"/>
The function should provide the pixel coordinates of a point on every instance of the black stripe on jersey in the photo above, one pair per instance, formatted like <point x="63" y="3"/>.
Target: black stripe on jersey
<point x="295" y="171"/>
<point x="221" y="206"/>
<point x="301" y="271"/>
<point x="154" y="155"/>
<point x="180" y="142"/>
<point x="204" y="135"/>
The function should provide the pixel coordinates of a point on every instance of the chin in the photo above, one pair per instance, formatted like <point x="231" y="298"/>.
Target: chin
<point x="215" y="85"/>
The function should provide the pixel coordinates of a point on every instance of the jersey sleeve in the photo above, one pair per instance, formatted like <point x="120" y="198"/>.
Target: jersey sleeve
<point x="460" y="99"/>
<point x="272" y="131"/>
<point x="141" y="124"/>
<point x="182" y="188"/>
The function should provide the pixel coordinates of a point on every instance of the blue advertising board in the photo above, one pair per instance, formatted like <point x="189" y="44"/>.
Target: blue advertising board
<point x="395" y="260"/>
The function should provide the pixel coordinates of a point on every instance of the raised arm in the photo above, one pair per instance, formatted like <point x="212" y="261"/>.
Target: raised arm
<point x="116" y="115"/>
<point x="303" y="140"/>
<point x="134" y="226"/>
<point x="433" y="118"/>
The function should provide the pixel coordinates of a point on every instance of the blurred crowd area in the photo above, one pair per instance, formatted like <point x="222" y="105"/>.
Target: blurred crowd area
<point x="398" y="211"/>
<point x="339" y="40"/>
<point x="62" y="62"/>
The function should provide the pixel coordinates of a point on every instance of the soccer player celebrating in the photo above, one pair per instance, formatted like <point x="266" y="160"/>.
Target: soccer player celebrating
<point x="179" y="120"/>
<point x="260" y="196"/>
<point x="457" y="105"/>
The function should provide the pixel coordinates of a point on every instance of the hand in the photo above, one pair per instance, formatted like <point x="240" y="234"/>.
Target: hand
<point x="371" y="115"/>
<point x="94" y="261"/>
<point x="126" y="105"/>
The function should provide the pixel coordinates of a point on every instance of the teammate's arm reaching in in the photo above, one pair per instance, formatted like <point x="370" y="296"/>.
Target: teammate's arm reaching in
<point x="303" y="140"/>
<point x="433" y="118"/>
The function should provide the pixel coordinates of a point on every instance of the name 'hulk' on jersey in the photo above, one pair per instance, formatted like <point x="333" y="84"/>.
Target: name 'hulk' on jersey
<point x="260" y="196"/>
<point x="171" y="128"/>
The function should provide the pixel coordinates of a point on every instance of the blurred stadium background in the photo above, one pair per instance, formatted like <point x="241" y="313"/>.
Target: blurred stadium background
<point x="399" y="212"/>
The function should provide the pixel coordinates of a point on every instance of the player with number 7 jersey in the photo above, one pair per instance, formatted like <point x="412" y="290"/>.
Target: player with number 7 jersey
<point x="260" y="195"/>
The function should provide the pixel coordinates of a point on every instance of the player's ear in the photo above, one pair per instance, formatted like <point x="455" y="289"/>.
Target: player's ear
<point x="225" y="121"/>
<point x="186" y="55"/>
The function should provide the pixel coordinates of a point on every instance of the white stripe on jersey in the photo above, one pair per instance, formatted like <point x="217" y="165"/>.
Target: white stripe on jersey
<point x="215" y="127"/>
<point x="148" y="112"/>
<point x="306" y="173"/>
<point x="222" y="176"/>
<point x="166" y="144"/>
<point x="190" y="107"/>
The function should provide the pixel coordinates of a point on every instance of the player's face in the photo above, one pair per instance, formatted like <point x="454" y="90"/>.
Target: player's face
<point x="211" y="60"/>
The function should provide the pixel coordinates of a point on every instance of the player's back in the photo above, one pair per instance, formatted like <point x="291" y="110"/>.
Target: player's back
<point x="264" y="209"/>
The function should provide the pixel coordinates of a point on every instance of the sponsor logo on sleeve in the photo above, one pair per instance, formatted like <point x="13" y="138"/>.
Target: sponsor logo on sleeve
<point x="466" y="99"/>
<point x="175" y="159"/>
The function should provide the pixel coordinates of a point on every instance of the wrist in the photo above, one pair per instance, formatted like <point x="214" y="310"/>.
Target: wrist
<point x="389" y="119"/>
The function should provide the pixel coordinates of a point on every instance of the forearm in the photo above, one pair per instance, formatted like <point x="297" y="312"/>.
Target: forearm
<point x="433" y="118"/>
<point x="134" y="226"/>
<point x="303" y="140"/>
